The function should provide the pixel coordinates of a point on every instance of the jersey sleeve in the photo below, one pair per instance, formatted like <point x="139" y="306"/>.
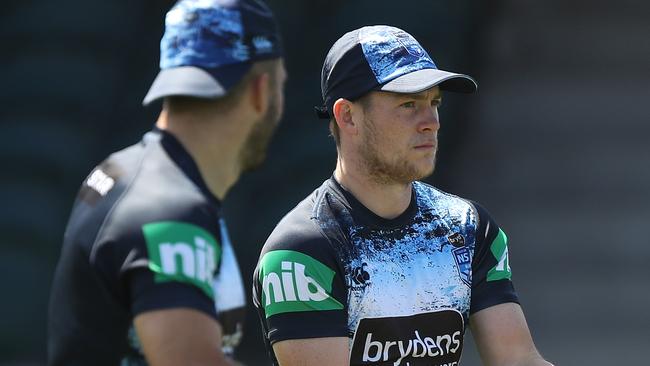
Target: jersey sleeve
<point x="164" y="262"/>
<point x="298" y="285"/>
<point x="491" y="272"/>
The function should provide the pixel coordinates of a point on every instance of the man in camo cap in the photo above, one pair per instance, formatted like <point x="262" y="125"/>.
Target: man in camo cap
<point x="147" y="274"/>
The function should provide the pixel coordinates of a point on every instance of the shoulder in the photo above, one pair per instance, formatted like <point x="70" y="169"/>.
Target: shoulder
<point x="426" y="191"/>
<point x="429" y="196"/>
<point x="486" y="225"/>
<point x="300" y="270"/>
<point x="145" y="203"/>
<point x="299" y="228"/>
<point x="299" y="237"/>
<point x="159" y="223"/>
<point x="155" y="200"/>
<point x="465" y="210"/>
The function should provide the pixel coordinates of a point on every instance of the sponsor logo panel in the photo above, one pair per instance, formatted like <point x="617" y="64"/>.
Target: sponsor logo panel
<point x="359" y="278"/>
<point x="101" y="181"/>
<point x="182" y="252"/>
<point x="499" y="249"/>
<point x="457" y="240"/>
<point x="434" y="338"/>
<point x="293" y="281"/>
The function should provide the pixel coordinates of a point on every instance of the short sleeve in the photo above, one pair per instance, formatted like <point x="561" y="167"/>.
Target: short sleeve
<point x="147" y="295"/>
<point x="298" y="286"/>
<point x="491" y="272"/>
<point x="161" y="264"/>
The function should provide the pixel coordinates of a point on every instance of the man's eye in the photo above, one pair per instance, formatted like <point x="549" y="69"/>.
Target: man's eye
<point x="408" y="105"/>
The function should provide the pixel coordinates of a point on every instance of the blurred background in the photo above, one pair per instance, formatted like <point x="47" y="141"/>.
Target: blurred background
<point x="555" y="144"/>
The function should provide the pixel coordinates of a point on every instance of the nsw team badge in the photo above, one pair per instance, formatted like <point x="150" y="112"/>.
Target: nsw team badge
<point x="463" y="260"/>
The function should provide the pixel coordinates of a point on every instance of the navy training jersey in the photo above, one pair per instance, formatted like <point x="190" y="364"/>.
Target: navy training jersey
<point x="145" y="234"/>
<point x="402" y="289"/>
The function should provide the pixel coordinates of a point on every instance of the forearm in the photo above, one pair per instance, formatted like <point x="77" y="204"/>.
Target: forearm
<point x="503" y="338"/>
<point x="533" y="360"/>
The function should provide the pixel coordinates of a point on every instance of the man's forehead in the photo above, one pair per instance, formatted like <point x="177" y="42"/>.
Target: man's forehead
<point x="431" y="93"/>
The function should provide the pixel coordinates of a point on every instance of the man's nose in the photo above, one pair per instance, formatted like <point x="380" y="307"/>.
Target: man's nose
<point x="429" y="120"/>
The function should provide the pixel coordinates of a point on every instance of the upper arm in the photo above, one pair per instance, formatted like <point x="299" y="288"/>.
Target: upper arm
<point x="165" y="269"/>
<point x="502" y="336"/>
<point x="299" y="287"/>
<point x="496" y="319"/>
<point x="179" y="336"/>
<point x="299" y="296"/>
<point x="491" y="273"/>
<point x="332" y="351"/>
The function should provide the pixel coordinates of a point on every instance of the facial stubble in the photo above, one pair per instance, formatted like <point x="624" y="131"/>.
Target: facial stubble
<point x="388" y="170"/>
<point x="254" y="150"/>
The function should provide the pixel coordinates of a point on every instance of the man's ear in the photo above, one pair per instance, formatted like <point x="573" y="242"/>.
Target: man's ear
<point x="259" y="92"/>
<point x="343" y="114"/>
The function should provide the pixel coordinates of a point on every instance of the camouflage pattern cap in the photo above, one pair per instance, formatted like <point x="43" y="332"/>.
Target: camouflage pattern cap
<point x="384" y="58"/>
<point x="209" y="45"/>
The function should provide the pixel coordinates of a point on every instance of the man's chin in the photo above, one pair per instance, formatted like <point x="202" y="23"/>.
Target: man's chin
<point x="425" y="172"/>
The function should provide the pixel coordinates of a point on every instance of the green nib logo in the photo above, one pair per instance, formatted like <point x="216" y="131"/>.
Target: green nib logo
<point x="284" y="290"/>
<point x="293" y="281"/>
<point x="499" y="249"/>
<point x="182" y="252"/>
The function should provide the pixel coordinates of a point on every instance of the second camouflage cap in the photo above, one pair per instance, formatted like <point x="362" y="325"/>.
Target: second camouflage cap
<point x="209" y="45"/>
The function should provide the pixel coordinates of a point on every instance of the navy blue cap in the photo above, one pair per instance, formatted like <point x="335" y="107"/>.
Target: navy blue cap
<point x="209" y="45"/>
<point x="384" y="58"/>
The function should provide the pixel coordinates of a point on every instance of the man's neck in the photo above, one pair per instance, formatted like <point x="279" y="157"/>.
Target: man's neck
<point x="214" y="150"/>
<point x="385" y="200"/>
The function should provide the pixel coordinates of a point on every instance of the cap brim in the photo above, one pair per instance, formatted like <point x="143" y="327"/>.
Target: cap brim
<point x="424" y="79"/>
<point x="184" y="80"/>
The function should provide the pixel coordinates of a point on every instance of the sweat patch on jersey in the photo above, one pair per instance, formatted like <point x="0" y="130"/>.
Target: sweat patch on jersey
<point x="499" y="249"/>
<point x="182" y="252"/>
<point x="293" y="281"/>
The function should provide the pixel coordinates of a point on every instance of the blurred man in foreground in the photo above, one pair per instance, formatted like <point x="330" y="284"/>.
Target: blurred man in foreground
<point x="375" y="267"/>
<point x="147" y="274"/>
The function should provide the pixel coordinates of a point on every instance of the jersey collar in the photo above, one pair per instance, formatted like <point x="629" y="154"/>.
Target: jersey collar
<point x="182" y="158"/>
<point x="365" y="216"/>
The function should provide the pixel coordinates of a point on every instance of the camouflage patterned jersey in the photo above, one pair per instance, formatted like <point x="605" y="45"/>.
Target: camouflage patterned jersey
<point x="402" y="289"/>
<point x="145" y="234"/>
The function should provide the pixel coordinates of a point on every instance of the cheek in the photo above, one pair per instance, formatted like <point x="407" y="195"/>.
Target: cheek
<point x="393" y="142"/>
<point x="389" y="134"/>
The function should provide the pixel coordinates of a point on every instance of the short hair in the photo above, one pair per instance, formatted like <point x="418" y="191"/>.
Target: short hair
<point x="364" y="101"/>
<point x="334" y="132"/>
<point x="227" y="101"/>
